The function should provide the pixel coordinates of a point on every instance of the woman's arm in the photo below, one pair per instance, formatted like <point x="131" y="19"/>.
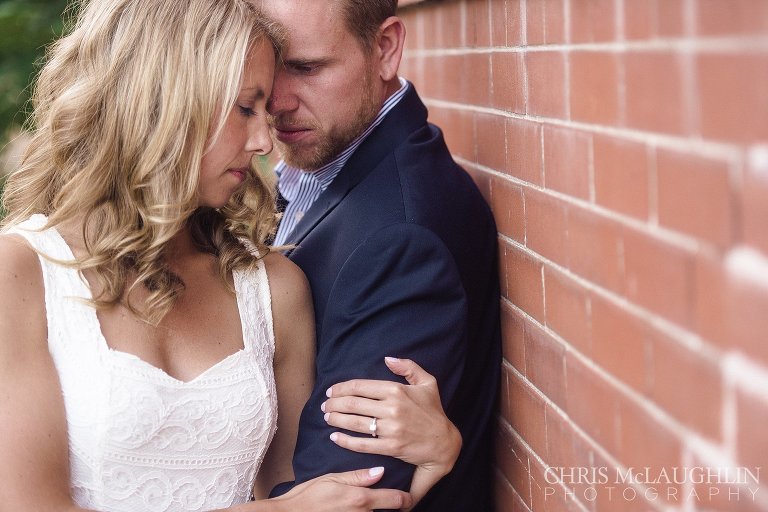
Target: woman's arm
<point x="294" y="326"/>
<point x="411" y="424"/>
<point x="34" y="469"/>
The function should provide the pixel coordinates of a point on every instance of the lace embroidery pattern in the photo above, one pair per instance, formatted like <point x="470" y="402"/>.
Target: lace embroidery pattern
<point x="140" y="439"/>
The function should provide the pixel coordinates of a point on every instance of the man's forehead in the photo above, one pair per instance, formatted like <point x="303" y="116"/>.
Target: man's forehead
<point x="313" y="27"/>
<point x="307" y="10"/>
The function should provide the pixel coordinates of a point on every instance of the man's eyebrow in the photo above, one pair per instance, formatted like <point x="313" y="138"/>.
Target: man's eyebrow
<point x="306" y="62"/>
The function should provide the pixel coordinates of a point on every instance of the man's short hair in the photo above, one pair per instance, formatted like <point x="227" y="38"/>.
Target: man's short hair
<point x="364" y="18"/>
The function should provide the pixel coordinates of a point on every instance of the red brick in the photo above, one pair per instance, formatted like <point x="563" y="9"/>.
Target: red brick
<point x="546" y="226"/>
<point x="728" y="17"/>
<point x="459" y="129"/>
<point x="694" y="196"/>
<point x="513" y="337"/>
<point x="731" y="306"/>
<point x="414" y="20"/>
<point x="550" y="497"/>
<point x="514" y="25"/>
<point x="498" y="22"/>
<point x="483" y="181"/>
<point x="448" y="23"/>
<point x="535" y="23"/>
<point x="595" y="248"/>
<point x="503" y="269"/>
<point x="544" y="363"/>
<point x="508" y="209"/>
<point x="524" y="282"/>
<point x="671" y="17"/>
<point x="491" y="138"/>
<point x="445" y="71"/>
<point x="428" y="17"/>
<point x="478" y="90"/>
<point x="729" y="495"/>
<point x="751" y="417"/>
<point x="755" y="192"/>
<point x="746" y="306"/>
<point x="687" y="384"/>
<point x="478" y="24"/>
<point x="567" y="309"/>
<point x="710" y="299"/>
<point x="527" y="414"/>
<point x="432" y="87"/>
<point x="546" y="83"/>
<point x="567" y="449"/>
<point x="621" y="176"/>
<point x="507" y="499"/>
<point x="640" y="21"/>
<point x="648" y="19"/>
<point x="567" y="157"/>
<point x="413" y="67"/>
<point x="592" y="403"/>
<point x="508" y="81"/>
<point x="654" y="92"/>
<point x="554" y="21"/>
<point x="512" y="460"/>
<point x="593" y="21"/>
<point x="524" y="150"/>
<point x="594" y="87"/>
<point x="645" y="442"/>
<point x="545" y="22"/>
<point x="619" y="343"/>
<point x="568" y="452"/>
<point x="610" y="494"/>
<point x="732" y="100"/>
<point x="659" y="277"/>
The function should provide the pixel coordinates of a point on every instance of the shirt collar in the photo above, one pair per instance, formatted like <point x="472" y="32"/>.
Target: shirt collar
<point x="327" y="173"/>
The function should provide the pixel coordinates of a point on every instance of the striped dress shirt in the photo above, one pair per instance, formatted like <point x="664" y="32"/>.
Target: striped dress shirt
<point x="302" y="188"/>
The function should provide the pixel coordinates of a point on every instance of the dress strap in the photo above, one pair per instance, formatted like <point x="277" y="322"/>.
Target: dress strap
<point x="255" y="304"/>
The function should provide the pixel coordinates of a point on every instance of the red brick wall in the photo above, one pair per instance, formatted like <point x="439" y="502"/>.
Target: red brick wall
<point x="623" y="147"/>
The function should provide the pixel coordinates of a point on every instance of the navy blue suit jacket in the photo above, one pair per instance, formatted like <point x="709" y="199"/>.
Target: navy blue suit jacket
<point x="400" y="252"/>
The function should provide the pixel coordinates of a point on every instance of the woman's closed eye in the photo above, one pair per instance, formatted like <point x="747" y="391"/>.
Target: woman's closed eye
<point x="247" y="111"/>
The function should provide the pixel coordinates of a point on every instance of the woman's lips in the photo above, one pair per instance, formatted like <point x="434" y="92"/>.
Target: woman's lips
<point x="240" y="173"/>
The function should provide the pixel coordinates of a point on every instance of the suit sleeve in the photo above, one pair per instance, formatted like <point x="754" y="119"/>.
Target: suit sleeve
<point x="399" y="294"/>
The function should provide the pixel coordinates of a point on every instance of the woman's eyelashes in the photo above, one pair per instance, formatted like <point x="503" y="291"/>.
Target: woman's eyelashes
<point x="247" y="111"/>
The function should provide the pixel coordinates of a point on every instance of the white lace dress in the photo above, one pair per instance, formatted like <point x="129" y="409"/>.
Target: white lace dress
<point x="139" y="439"/>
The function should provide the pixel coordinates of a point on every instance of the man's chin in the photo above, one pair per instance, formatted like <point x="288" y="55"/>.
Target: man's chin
<point x="307" y="158"/>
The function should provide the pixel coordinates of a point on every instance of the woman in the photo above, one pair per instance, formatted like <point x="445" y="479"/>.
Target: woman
<point x="148" y="359"/>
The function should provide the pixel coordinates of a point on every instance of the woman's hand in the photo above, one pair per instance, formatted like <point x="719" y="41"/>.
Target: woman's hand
<point x="410" y="422"/>
<point x="341" y="492"/>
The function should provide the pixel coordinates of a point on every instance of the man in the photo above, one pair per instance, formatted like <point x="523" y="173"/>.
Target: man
<point x="397" y="243"/>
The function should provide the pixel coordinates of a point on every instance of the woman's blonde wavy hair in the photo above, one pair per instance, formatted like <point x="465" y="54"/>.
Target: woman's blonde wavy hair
<point x="123" y="110"/>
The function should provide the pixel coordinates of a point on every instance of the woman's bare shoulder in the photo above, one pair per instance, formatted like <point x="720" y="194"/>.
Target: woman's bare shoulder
<point x="20" y="266"/>
<point x="292" y="310"/>
<point x="22" y="303"/>
<point x="286" y="280"/>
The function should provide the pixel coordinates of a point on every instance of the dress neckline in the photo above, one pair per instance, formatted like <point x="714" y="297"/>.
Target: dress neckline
<point x="128" y="356"/>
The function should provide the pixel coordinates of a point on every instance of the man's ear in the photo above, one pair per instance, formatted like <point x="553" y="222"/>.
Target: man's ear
<point x="389" y="47"/>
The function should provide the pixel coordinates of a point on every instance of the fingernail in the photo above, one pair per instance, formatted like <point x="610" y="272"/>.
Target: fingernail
<point x="392" y="359"/>
<point x="328" y="392"/>
<point x="376" y="471"/>
<point x="334" y="436"/>
<point x="322" y="406"/>
<point x="326" y="416"/>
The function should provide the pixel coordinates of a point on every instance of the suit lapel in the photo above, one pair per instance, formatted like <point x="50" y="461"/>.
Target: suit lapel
<point x="407" y="116"/>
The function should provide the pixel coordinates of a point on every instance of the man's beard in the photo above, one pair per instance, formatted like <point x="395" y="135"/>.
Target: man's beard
<point x="330" y="144"/>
